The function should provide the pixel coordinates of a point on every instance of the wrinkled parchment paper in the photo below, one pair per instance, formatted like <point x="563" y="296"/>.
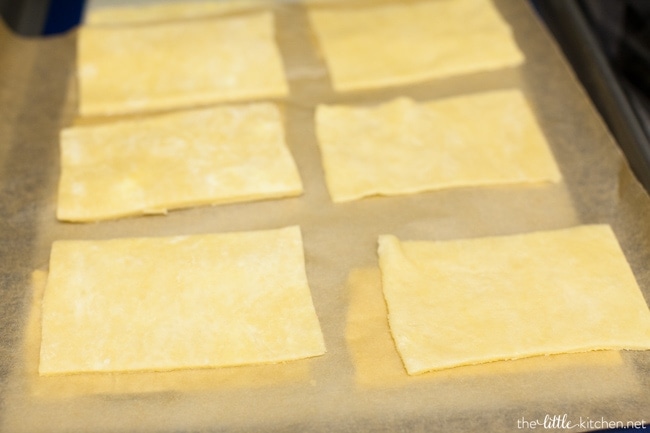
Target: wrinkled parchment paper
<point x="360" y="384"/>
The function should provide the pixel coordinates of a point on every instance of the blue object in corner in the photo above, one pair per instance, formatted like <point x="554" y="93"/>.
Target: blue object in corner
<point x="63" y="15"/>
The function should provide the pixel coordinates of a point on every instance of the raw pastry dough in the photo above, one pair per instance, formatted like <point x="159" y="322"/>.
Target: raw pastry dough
<point x="180" y="302"/>
<point x="406" y="42"/>
<point x="377" y="363"/>
<point x="471" y="301"/>
<point x="208" y="156"/>
<point x="151" y="13"/>
<point x="405" y="147"/>
<point x="186" y="380"/>
<point x="178" y="64"/>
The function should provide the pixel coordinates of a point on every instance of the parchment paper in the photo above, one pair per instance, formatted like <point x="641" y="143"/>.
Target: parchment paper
<point x="359" y="385"/>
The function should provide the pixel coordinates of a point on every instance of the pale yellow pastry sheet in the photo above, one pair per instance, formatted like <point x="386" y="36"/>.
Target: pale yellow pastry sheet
<point x="130" y="69"/>
<point x="471" y="301"/>
<point x="207" y="156"/>
<point x="403" y="146"/>
<point x="404" y="42"/>
<point x="377" y="363"/>
<point x="156" y="12"/>
<point x="111" y="383"/>
<point x="179" y="302"/>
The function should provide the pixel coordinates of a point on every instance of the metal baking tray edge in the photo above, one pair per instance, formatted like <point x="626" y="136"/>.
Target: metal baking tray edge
<point x="569" y="25"/>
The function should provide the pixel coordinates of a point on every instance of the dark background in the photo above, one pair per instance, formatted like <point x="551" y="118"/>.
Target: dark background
<point x="37" y="17"/>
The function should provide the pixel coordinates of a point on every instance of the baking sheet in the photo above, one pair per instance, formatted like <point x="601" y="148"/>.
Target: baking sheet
<point x="357" y="385"/>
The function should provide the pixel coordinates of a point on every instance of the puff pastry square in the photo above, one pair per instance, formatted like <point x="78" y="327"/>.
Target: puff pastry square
<point x="471" y="301"/>
<point x="180" y="302"/>
<point x="209" y="156"/>
<point x="404" y="147"/>
<point x="130" y="69"/>
<point x="143" y="13"/>
<point x="404" y="42"/>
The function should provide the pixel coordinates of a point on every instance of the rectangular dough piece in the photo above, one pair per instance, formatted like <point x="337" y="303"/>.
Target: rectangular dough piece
<point x="405" y="42"/>
<point x="180" y="302"/>
<point x="471" y="301"/>
<point x="208" y="156"/>
<point x="404" y="147"/>
<point x="156" y="12"/>
<point x="130" y="69"/>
